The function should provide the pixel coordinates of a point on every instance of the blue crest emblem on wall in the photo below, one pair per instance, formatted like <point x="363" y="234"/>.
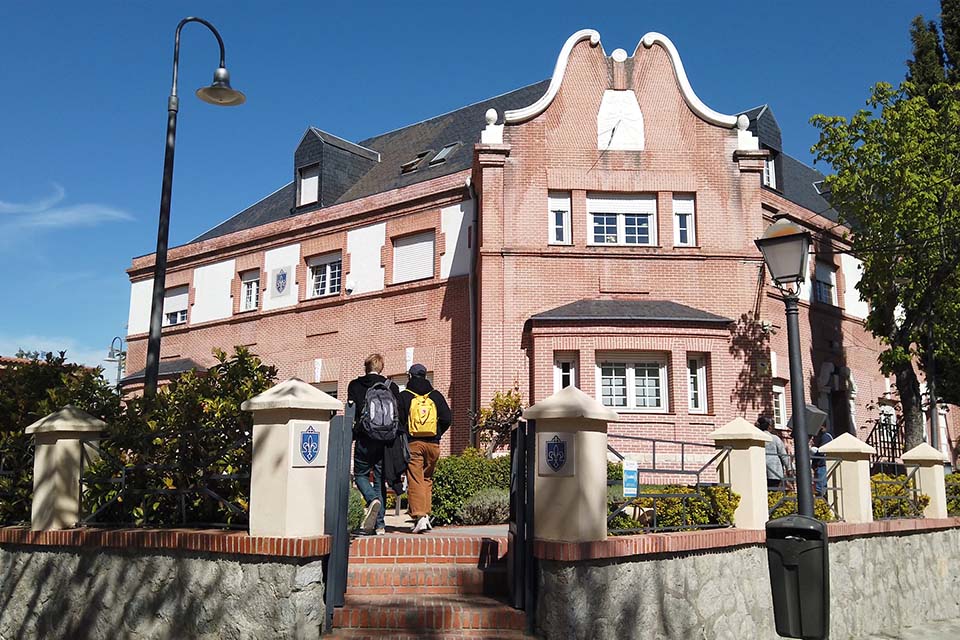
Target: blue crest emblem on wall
<point x="281" y="282"/>
<point x="556" y="453"/>
<point x="309" y="444"/>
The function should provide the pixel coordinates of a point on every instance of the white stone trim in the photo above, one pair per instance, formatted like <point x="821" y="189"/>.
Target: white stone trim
<point x="520" y="115"/>
<point x="695" y="104"/>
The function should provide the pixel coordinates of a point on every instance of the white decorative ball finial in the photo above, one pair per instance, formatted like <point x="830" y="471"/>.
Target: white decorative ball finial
<point x="743" y="122"/>
<point x="619" y="55"/>
<point x="491" y="116"/>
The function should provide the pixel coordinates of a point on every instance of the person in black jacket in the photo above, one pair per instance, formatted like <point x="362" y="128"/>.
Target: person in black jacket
<point x="367" y="452"/>
<point x="425" y="416"/>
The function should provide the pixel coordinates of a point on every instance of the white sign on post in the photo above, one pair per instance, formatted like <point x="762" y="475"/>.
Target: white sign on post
<point x="307" y="444"/>
<point x="556" y="453"/>
<point x="631" y="483"/>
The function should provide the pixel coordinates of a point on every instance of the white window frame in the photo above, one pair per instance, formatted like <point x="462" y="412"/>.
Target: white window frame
<point x="770" y="172"/>
<point x="830" y="281"/>
<point x="622" y="206"/>
<point x="314" y="168"/>
<point x="697" y="374"/>
<point x="333" y="277"/>
<point x="685" y="206"/>
<point x="174" y="317"/>
<point x="250" y="289"/>
<point x="630" y="362"/>
<point x="780" y="405"/>
<point x="558" y="372"/>
<point x="558" y="203"/>
<point x="413" y="238"/>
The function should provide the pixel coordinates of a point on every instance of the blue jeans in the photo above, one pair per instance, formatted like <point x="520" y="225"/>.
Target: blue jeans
<point x="367" y="456"/>
<point x="820" y="479"/>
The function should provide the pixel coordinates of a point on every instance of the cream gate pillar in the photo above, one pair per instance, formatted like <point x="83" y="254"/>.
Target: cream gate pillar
<point x="745" y="469"/>
<point x="570" y="491"/>
<point x="855" y="502"/>
<point x="930" y="479"/>
<point x="291" y="428"/>
<point x="58" y="464"/>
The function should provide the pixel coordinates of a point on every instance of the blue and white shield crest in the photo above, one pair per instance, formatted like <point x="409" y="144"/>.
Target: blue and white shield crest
<point x="556" y="453"/>
<point x="281" y="281"/>
<point x="309" y="444"/>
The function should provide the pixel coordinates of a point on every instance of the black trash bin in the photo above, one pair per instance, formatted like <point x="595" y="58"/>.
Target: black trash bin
<point x="799" y="576"/>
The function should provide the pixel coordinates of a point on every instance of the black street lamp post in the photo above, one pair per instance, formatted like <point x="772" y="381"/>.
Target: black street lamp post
<point x="785" y="247"/>
<point x="219" y="93"/>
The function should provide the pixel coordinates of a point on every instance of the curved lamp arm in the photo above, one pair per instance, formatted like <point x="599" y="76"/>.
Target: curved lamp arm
<point x="176" y="48"/>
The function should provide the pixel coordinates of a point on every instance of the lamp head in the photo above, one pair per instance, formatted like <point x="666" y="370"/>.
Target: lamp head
<point x="785" y="247"/>
<point x="220" y="93"/>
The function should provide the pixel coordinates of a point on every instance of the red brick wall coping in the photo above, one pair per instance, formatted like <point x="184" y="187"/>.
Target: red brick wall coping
<point x="716" y="539"/>
<point x="210" y="541"/>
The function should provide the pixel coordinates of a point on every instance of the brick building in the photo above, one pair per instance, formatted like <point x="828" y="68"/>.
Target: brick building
<point x="595" y="229"/>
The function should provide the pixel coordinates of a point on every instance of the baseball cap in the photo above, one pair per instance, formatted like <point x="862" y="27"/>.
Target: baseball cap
<point x="418" y="370"/>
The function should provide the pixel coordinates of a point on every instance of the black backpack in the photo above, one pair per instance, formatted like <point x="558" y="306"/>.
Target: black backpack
<point x="380" y="417"/>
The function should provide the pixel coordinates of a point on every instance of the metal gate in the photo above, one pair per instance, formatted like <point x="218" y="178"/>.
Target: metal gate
<point x="335" y="521"/>
<point x="521" y="565"/>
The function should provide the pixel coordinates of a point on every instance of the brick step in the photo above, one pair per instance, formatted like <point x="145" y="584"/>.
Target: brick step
<point x="409" y="614"/>
<point x="396" y="579"/>
<point x="431" y="548"/>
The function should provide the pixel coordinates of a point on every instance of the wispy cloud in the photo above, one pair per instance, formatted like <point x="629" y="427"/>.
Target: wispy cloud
<point x="50" y="212"/>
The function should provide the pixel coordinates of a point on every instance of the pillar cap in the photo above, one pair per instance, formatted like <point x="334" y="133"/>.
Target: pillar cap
<point x="923" y="452"/>
<point x="570" y="403"/>
<point x="292" y="394"/>
<point x="847" y="445"/>
<point x="739" y="430"/>
<point x="69" y="418"/>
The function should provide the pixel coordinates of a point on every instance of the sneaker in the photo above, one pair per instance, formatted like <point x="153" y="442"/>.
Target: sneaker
<point x="381" y="531"/>
<point x="422" y="526"/>
<point x="370" y="515"/>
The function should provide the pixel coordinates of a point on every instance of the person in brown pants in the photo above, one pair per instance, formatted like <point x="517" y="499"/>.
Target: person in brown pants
<point x="425" y="416"/>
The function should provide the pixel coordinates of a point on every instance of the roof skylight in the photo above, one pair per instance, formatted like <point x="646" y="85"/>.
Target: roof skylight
<point x="443" y="153"/>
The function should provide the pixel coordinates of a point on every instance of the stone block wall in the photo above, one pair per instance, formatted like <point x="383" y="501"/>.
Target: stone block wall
<point x="96" y="593"/>
<point x="877" y="584"/>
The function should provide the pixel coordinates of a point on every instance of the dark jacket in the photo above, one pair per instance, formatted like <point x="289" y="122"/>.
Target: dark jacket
<point x="422" y="386"/>
<point x="819" y="439"/>
<point x="357" y="396"/>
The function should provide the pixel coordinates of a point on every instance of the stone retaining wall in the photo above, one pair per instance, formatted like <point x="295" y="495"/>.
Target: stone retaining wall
<point x="877" y="584"/>
<point x="93" y="592"/>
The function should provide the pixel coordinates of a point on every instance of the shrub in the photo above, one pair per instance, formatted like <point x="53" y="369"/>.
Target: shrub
<point x="459" y="477"/>
<point x="953" y="494"/>
<point x="708" y="506"/>
<point x="355" y="509"/>
<point x="487" y="506"/>
<point x="821" y="509"/>
<point x="614" y="471"/>
<point x="893" y="497"/>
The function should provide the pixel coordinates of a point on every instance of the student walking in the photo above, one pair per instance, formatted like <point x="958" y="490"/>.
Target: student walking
<point x="376" y="425"/>
<point x="778" y="460"/>
<point x="425" y="416"/>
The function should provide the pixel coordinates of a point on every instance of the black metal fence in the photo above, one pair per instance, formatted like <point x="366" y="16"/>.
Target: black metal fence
<point x="897" y="496"/>
<point x="782" y="493"/>
<point x="16" y="488"/>
<point x="678" y="487"/>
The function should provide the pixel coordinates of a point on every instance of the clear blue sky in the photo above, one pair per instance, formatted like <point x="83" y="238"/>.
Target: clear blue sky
<point x="84" y="87"/>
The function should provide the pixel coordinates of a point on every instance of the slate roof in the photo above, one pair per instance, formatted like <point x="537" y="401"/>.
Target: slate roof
<point x="168" y="368"/>
<point x="635" y="310"/>
<point x="395" y="148"/>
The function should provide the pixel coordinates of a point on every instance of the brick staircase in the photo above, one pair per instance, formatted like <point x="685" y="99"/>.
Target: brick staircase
<point x="438" y="585"/>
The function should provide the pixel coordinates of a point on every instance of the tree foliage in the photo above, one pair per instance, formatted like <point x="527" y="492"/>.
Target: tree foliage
<point x="494" y="422"/>
<point x="926" y="69"/>
<point x="897" y="186"/>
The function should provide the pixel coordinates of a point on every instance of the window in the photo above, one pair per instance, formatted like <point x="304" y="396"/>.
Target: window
<point x="558" y="206"/>
<point x="770" y="172"/>
<point x="309" y="184"/>
<point x="175" y="302"/>
<point x="413" y="257"/>
<point x="638" y="384"/>
<point x="564" y="373"/>
<point x="250" y="290"/>
<point x="329" y="388"/>
<point x="779" y="406"/>
<point x="888" y="420"/>
<point x="825" y="285"/>
<point x="443" y="154"/>
<point x="325" y="274"/>
<point x="412" y="165"/>
<point x="684" y="230"/>
<point x="622" y="219"/>
<point x="697" y="374"/>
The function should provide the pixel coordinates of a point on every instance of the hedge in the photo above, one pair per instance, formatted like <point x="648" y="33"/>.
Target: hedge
<point x="953" y="494"/>
<point x="821" y="510"/>
<point x="707" y="506"/>
<point x="458" y="478"/>
<point x="900" y="502"/>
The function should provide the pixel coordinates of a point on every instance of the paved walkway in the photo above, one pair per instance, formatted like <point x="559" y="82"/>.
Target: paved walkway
<point x="401" y="524"/>
<point x="943" y="630"/>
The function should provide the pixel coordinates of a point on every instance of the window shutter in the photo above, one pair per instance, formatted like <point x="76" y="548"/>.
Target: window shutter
<point x="683" y="204"/>
<point x="309" y="183"/>
<point x="176" y="299"/>
<point x="558" y="201"/>
<point x="617" y="203"/>
<point x="250" y="276"/>
<point x="413" y="257"/>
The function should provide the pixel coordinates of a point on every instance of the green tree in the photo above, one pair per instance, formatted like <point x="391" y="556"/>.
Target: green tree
<point x="950" y="25"/>
<point x="493" y="423"/>
<point x="897" y="169"/>
<point x="926" y="69"/>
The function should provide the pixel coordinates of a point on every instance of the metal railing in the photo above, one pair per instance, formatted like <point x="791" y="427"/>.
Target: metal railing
<point x="668" y="506"/>
<point x="897" y="497"/>
<point x="114" y="493"/>
<point x="830" y="496"/>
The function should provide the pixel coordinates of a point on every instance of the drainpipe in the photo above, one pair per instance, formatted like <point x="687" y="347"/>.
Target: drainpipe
<point x="472" y="294"/>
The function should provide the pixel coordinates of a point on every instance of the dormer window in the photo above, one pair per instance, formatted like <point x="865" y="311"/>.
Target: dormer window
<point x="443" y="154"/>
<point x="770" y="172"/>
<point x="412" y="165"/>
<point x="308" y="187"/>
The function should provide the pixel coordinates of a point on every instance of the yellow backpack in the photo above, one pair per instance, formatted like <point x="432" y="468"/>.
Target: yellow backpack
<point x="423" y="416"/>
